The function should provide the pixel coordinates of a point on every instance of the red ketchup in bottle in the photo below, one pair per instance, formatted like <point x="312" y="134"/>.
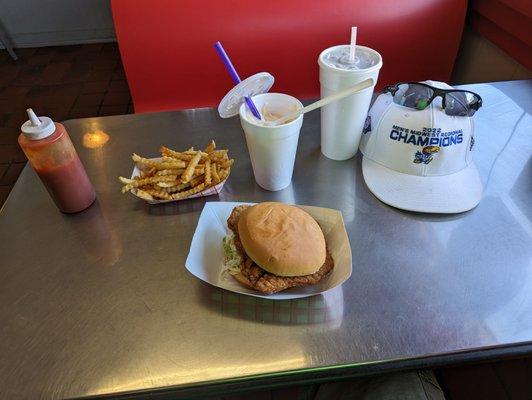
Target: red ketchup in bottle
<point x="52" y="155"/>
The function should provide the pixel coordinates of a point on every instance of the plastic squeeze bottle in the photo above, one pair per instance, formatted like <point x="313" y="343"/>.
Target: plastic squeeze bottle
<point x="52" y="155"/>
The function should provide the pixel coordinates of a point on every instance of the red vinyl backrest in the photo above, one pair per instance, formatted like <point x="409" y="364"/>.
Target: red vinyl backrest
<point x="170" y="63"/>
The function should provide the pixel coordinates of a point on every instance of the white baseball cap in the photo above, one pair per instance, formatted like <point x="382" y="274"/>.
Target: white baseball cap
<point x="420" y="160"/>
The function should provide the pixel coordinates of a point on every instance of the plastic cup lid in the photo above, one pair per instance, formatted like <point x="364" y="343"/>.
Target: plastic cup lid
<point x="255" y="84"/>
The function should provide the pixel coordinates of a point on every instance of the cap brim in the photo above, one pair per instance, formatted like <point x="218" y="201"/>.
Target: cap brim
<point x="447" y="194"/>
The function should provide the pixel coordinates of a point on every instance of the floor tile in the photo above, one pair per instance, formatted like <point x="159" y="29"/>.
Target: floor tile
<point x="54" y="73"/>
<point x="113" y="46"/>
<point x="104" y="64"/>
<point x="12" y="173"/>
<point x="63" y="58"/>
<point x="68" y="89"/>
<point x="473" y="382"/>
<point x="4" y="192"/>
<point x="29" y="75"/>
<point x="95" y="87"/>
<point x="119" y="86"/>
<point x="40" y="90"/>
<point x="3" y="169"/>
<point x="11" y="153"/>
<point x="91" y="48"/>
<point x="102" y="75"/>
<point x="85" y="100"/>
<point x="516" y="377"/>
<point x="113" y="110"/>
<point x="83" y="112"/>
<point x="53" y="101"/>
<point x="69" y="49"/>
<point x="40" y="59"/>
<point x="9" y="135"/>
<point x="11" y="92"/>
<point x="58" y="114"/>
<point x="76" y="77"/>
<point x="18" y="117"/>
<point x="119" y="75"/>
<point x="9" y="69"/>
<point x="44" y="50"/>
<point x="262" y="395"/>
<point x="116" y="98"/>
<point x="4" y="116"/>
<point x="26" y="52"/>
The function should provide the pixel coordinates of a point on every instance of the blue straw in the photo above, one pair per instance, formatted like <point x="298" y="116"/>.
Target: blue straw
<point x="234" y="75"/>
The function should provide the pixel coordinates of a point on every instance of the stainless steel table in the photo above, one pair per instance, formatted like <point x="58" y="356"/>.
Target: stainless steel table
<point x="100" y="303"/>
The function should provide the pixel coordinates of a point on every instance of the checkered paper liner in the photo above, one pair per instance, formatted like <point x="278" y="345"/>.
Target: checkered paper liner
<point x="204" y="193"/>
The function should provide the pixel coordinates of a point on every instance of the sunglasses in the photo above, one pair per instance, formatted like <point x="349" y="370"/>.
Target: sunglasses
<point x="419" y="96"/>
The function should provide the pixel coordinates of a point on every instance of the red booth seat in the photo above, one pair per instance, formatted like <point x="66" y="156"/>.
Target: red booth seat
<point x="169" y="60"/>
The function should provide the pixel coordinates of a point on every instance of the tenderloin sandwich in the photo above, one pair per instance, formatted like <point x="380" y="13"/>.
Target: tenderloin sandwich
<point x="274" y="246"/>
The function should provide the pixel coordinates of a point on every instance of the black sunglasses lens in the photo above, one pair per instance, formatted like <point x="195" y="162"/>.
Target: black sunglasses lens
<point x="462" y="104"/>
<point x="412" y="95"/>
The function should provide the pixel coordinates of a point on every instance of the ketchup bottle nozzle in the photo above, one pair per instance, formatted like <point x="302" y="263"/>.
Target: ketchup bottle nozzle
<point x="37" y="128"/>
<point x="35" y="121"/>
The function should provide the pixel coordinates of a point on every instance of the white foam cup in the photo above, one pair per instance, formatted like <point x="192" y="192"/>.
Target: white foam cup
<point x="342" y="121"/>
<point x="272" y="149"/>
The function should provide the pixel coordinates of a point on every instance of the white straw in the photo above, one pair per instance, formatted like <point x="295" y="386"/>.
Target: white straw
<point x="323" y="102"/>
<point x="352" y="48"/>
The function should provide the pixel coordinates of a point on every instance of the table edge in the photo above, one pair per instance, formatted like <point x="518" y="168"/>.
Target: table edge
<point x="305" y="99"/>
<point x="315" y="375"/>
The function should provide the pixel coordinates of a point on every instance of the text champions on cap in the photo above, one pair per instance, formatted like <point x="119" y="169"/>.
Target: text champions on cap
<point x="426" y="137"/>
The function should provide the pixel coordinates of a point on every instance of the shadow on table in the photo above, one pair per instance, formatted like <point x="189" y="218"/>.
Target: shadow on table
<point x="256" y="194"/>
<point x="326" y="308"/>
<point x="97" y="238"/>
<point x="177" y="207"/>
<point x="421" y="216"/>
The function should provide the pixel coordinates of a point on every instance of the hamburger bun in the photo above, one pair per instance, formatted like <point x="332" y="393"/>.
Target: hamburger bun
<point x="283" y="240"/>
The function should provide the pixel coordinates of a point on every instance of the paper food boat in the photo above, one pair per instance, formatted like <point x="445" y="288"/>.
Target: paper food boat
<point x="205" y="258"/>
<point x="204" y="193"/>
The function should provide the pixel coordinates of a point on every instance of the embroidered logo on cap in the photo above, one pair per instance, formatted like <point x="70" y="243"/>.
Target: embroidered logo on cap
<point x="425" y="156"/>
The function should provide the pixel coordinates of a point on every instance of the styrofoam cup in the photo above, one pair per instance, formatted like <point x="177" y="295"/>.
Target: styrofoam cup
<point x="272" y="149"/>
<point x="342" y="121"/>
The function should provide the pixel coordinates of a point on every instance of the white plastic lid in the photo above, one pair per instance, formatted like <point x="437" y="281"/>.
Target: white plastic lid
<point x="37" y="128"/>
<point x="255" y="84"/>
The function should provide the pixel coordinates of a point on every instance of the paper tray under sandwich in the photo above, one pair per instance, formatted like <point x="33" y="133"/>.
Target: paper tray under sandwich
<point x="206" y="256"/>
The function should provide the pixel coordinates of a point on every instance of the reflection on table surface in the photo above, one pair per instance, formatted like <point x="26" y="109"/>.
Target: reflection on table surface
<point x="325" y="308"/>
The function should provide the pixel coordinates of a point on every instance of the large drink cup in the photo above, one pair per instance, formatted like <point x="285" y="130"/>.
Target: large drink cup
<point x="272" y="149"/>
<point x="342" y="121"/>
